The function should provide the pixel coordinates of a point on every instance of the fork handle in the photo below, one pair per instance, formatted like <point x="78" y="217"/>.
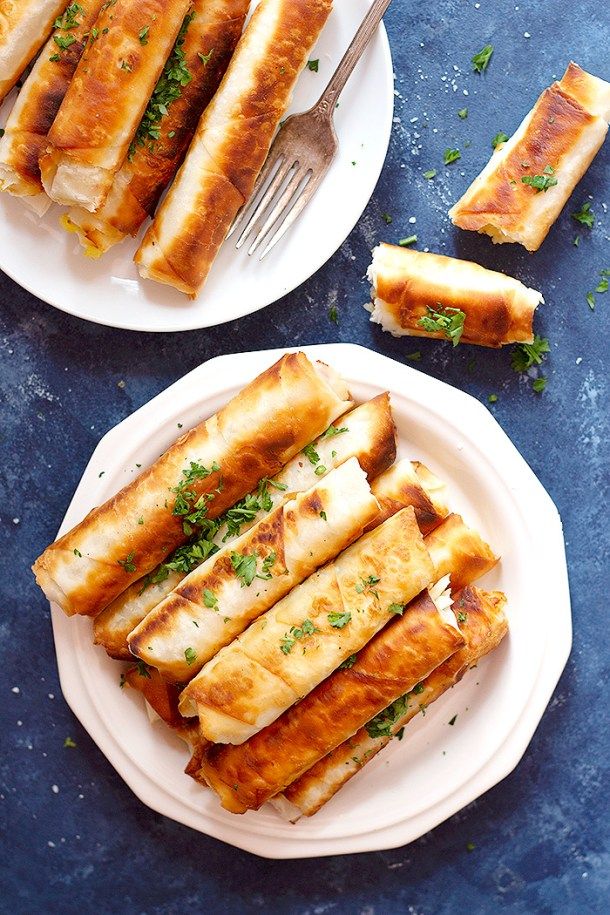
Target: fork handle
<point x="327" y="101"/>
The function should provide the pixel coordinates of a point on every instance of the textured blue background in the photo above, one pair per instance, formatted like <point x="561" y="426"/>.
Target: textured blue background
<point x="541" y="836"/>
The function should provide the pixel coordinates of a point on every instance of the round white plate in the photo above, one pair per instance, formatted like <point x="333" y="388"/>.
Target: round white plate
<point x="44" y="259"/>
<point x="436" y="769"/>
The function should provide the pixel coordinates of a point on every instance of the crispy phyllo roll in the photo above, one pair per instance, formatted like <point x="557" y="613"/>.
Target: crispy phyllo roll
<point x="284" y="654"/>
<point x="205" y="472"/>
<point x="107" y="97"/>
<point x="411" y="483"/>
<point x="25" y="133"/>
<point x="24" y="27"/>
<point x="421" y="294"/>
<point x="459" y="551"/>
<point x="162" y="699"/>
<point x="367" y="433"/>
<point x="218" y="600"/>
<point x="231" y="143"/>
<point x="483" y="625"/>
<point x="418" y="639"/>
<point x="189" y="79"/>
<point x="523" y="188"/>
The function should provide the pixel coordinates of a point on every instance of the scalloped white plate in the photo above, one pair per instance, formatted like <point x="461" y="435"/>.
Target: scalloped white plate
<point x="47" y="261"/>
<point x="436" y="769"/>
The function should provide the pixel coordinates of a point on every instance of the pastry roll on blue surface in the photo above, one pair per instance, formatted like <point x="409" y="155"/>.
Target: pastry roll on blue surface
<point x="523" y="188"/>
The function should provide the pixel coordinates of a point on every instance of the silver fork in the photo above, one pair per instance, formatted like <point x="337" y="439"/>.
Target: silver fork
<point x="301" y="154"/>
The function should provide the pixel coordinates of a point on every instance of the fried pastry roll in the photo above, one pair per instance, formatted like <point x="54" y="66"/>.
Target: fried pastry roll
<point x="205" y="472"/>
<point x="483" y="625"/>
<point x="459" y="551"/>
<point x="284" y="654"/>
<point x="367" y="433"/>
<point x="231" y="143"/>
<point x="162" y="700"/>
<point x="524" y="186"/>
<point x="190" y="78"/>
<point x="411" y="483"/>
<point x="24" y="27"/>
<point x="105" y="101"/>
<point x="421" y="294"/>
<point x="394" y="662"/>
<point x="218" y="600"/>
<point x="25" y="133"/>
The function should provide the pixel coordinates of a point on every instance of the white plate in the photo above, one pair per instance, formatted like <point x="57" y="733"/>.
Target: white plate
<point x="436" y="769"/>
<point x="47" y="261"/>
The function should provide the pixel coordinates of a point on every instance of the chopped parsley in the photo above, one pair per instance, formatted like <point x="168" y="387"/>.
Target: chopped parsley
<point x="463" y="114"/>
<point x="122" y="681"/>
<point x="431" y="173"/>
<point x="381" y="725"/>
<point x="539" y="384"/>
<point x="462" y="617"/>
<point x="143" y="34"/>
<point x="143" y="670"/>
<point x="387" y="218"/>
<point x="69" y="18"/>
<point x="396" y="609"/>
<point x="499" y="138"/>
<point x="585" y="215"/>
<point x="339" y="620"/>
<point x="68" y="742"/>
<point x="524" y="355"/>
<point x="333" y="314"/>
<point x="296" y="634"/>
<point x="448" y="321"/>
<point x="209" y="599"/>
<point x="244" y="566"/>
<point x="78" y="553"/>
<point x="310" y="452"/>
<point x="418" y="690"/>
<point x="366" y="584"/>
<point x="205" y="58"/>
<point x="323" y="516"/>
<point x="169" y="87"/>
<point x="480" y="61"/>
<point x="349" y="662"/>
<point x="470" y="846"/>
<point x="414" y="357"/>
<point x="185" y="558"/>
<point x="451" y="155"/>
<point x="63" y="42"/>
<point x="541" y="182"/>
<point x="492" y="398"/>
<point x="187" y="505"/>
<point x="313" y="65"/>
<point x="405" y="242"/>
<point x="332" y="431"/>
<point x="602" y="286"/>
<point x="190" y="655"/>
<point x="591" y="301"/>
<point x="128" y="563"/>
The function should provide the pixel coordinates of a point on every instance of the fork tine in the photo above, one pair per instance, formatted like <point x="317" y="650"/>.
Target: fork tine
<point x="271" y="164"/>
<point x="292" y="214"/>
<point x="281" y="207"/>
<point x="286" y="170"/>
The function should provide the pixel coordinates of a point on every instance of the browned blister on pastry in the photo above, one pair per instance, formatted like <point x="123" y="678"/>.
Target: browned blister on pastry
<point x="25" y="133"/>
<point x="106" y="99"/>
<point x="24" y="27"/>
<point x="410" y="286"/>
<point x="366" y="433"/>
<point x="189" y="80"/>
<point x="231" y="143"/>
<point x="553" y="147"/>
<point x="392" y="663"/>
<point x="483" y="625"/>
<point x="205" y="472"/>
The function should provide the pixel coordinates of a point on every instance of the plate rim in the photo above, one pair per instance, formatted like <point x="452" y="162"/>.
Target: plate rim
<point x="492" y="771"/>
<point x="196" y="324"/>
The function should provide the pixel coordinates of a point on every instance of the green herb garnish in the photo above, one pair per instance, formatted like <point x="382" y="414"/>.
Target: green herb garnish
<point x="128" y="564"/>
<point x="539" y="384"/>
<point x="332" y="431"/>
<point x="190" y="655"/>
<point x="339" y="620"/>
<point x="209" y="599"/>
<point x="405" y="242"/>
<point x="463" y="114"/>
<point x="448" y="321"/>
<point x="296" y="634"/>
<point x="68" y="742"/>
<point x="349" y="662"/>
<point x="143" y="34"/>
<point x="396" y="609"/>
<point x="205" y="58"/>
<point x="524" y="355"/>
<point x="381" y="725"/>
<point x="431" y="173"/>
<point x="480" y="61"/>
<point x="499" y="138"/>
<point x="451" y="155"/>
<point x="541" y="182"/>
<point x="313" y="65"/>
<point x="585" y="215"/>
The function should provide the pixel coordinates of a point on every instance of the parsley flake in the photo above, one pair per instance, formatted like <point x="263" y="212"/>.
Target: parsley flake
<point x="448" y="321"/>
<point x="190" y="655"/>
<point x="205" y="58"/>
<point x="524" y="355"/>
<point x="339" y="620"/>
<point x="209" y="599"/>
<point x="500" y="137"/>
<point x="68" y="742"/>
<point x="143" y="34"/>
<point x="539" y="384"/>
<point x="405" y="242"/>
<point x="451" y="155"/>
<point x="431" y="173"/>
<point x="480" y="61"/>
<point x="585" y="215"/>
<point x="463" y="114"/>
<point x="541" y="182"/>
<point x="349" y="662"/>
<point x="313" y="65"/>
<point x="396" y="609"/>
<point x="128" y="563"/>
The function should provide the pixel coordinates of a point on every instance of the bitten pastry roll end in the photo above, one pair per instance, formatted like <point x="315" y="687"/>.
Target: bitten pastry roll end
<point x="524" y="186"/>
<point x="421" y="294"/>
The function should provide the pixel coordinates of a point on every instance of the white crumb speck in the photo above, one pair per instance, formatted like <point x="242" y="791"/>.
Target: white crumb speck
<point x="526" y="35"/>
<point x="51" y="844"/>
<point x="412" y="219"/>
<point x="579" y="360"/>
<point x="15" y="689"/>
<point x="55" y="789"/>
<point x="16" y="520"/>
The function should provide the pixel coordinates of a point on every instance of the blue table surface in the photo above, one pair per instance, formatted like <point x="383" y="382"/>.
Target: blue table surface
<point x="77" y="839"/>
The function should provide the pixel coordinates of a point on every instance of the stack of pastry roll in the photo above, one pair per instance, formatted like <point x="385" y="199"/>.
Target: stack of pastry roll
<point x="24" y="27"/>
<point x="231" y="143"/>
<point x="284" y="586"/>
<point x="523" y="188"/>
<point x="190" y="78"/>
<point x="25" y="134"/>
<point x="422" y="294"/>
<point x="105" y="101"/>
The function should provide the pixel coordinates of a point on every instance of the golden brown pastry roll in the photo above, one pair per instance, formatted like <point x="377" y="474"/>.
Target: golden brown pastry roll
<point x="483" y="625"/>
<point x="206" y="471"/>
<point x="189" y="79"/>
<point x="284" y="654"/>
<point x="25" y="134"/>
<point x="24" y="27"/>
<point x="392" y="663"/>
<point x="411" y="483"/>
<point x="366" y="433"/>
<point x="458" y="551"/>
<point x="162" y="697"/>
<point x="218" y="600"/>
<point x="421" y="294"/>
<point x="107" y="97"/>
<point x="231" y="143"/>
<point x="523" y="188"/>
